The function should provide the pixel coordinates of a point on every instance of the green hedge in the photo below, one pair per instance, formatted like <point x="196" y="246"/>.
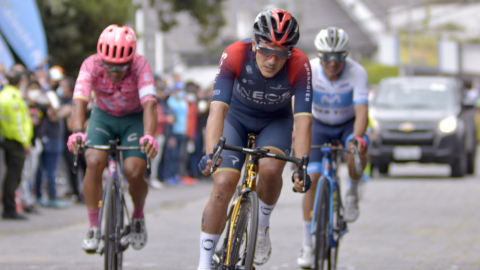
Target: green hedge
<point x="376" y="72"/>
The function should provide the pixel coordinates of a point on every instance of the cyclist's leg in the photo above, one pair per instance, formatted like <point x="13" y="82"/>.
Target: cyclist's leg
<point x="275" y="135"/>
<point x="225" y="180"/>
<point x="320" y="134"/>
<point x="98" y="132"/>
<point x="351" y="199"/>
<point x="134" y="167"/>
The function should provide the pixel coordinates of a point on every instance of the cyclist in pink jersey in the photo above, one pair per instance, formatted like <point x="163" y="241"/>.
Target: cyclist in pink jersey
<point x="125" y="108"/>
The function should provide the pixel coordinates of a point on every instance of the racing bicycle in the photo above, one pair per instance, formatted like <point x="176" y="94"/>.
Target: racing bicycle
<point x="238" y="249"/>
<point x="116" y="231"/>
<point x="328" y="225"/>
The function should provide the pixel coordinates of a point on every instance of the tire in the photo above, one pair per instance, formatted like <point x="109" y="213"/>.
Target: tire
<point x="471" y="162"/>
<point x="321" y="226"/>
<point x="110" y="255"/>
<point x="338" y="227"/>
<point x="244" y="238"/>
<point x="459" y="166"/>
<point x="383" y="168"/>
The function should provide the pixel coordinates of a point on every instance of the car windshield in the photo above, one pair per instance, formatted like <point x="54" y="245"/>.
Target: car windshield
<point x="414" y="94"/>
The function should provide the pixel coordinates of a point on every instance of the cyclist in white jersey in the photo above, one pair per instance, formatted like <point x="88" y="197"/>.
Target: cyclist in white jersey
<point x="340" y="112"/>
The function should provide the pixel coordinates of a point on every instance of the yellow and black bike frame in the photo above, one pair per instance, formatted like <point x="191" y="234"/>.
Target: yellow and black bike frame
<point x="249" y="184"/>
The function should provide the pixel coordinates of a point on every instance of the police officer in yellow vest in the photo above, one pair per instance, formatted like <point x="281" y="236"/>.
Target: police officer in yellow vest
<point x="16" y="132"/>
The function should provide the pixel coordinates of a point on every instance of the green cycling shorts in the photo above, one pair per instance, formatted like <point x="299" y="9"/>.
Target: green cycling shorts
<point x="104" y="127"/>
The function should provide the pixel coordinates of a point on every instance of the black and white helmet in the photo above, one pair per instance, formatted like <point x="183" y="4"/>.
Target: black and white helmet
<point x="331" y="39"/>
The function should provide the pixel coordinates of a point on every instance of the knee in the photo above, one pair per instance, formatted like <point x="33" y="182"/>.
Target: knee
<point x="134" y="172"/>
<point x="223" y="191"/>
<point x="270" y="173"/>
<point x="95" y="162"/>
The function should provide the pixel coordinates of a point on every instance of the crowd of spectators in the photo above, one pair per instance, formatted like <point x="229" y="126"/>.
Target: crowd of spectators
<point x="35" y="111"/>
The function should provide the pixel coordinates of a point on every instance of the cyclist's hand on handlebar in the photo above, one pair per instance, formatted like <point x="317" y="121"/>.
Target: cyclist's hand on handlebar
<point x="206" y="162"/>
<point x="72" y="141"/>
<point x="151" y="149"/>
<point x="361" y="145"/>
<point x="298" y="185"/>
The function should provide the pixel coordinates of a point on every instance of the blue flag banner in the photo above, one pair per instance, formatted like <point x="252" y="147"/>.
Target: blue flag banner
<point x="22" y="27"/>
<point x="6" y="57"/>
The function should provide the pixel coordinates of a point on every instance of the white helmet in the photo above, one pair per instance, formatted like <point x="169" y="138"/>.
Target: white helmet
<point x="331" y="39"/>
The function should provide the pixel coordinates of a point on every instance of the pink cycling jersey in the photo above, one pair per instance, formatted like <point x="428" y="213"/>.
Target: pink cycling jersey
<point x="119" y="99"/>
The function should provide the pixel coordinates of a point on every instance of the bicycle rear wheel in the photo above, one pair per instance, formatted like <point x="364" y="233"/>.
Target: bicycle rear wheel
<point x="111" y="259"/>
<point x="321" y="226"/>
<point x="244" y="238"/>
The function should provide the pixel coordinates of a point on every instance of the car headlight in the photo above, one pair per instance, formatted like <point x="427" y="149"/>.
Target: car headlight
<point x="448" y="125"/>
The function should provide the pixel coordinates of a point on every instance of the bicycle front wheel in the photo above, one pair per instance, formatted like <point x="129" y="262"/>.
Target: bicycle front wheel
<point x="244" y="237"/>
<point x="111" y="259"/>
<point x="321" y="226"/>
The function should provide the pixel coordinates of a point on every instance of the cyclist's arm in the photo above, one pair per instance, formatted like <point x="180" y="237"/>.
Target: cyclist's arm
<point x="360" y="101"/>
<point x="79" y="108"/>
<point x="218" y="111"/>
<point x="361" y="120"/>
<point x="149" y="117"/>
<point x="303" y="134"/>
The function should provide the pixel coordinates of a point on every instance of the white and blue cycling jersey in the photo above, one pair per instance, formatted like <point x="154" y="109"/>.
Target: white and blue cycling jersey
<point x="333" y="102"/>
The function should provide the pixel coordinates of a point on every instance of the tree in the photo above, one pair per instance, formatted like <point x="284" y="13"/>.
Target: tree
<point x="208" y="13"/>
<point x="73" y="27"/>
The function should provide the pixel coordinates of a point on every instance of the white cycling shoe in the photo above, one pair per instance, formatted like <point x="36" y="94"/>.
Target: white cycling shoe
<point x="351" y="208"/>
<point x="305" y="259"/>
<point x="264" y="246"/>
<point x="90" y="243"/>
<point x="138" y="237"/>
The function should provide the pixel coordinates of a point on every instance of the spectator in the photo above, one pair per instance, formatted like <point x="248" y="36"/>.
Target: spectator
<point x="194" y="145"/>
<point x="3" y="78"/>
<point x="34" y="100"/>
<point x="16" y="132"/>
<point x="176" y="144"/>
<point x="164" y="117"/>
<point x="65" y="93"/>
<point x="52" y="133"/>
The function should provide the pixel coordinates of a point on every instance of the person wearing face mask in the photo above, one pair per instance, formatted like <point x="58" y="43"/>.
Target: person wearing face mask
<point x="65" y="93"/>
<point x="176" y="145"/>
<point x="194" y="144"/>
<point x="51" y="132"/>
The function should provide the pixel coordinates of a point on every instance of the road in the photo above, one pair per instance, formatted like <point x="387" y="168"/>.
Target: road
<point x="416" y="218"/>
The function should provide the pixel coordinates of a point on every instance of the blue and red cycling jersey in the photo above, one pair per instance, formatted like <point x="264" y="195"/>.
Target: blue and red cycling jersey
<point x="240" y="84"/>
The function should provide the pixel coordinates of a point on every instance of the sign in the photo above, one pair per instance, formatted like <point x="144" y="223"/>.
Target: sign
<point x="424" y="51"/>
<point x="407" y="152"/>
<point x="22" y="27"/>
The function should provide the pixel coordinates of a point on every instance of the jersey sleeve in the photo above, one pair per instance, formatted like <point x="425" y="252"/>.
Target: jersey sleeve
<point x="146" y="88"/>
<point x="83" y="86"/>
<point x="229" y="68"/>
<point x="360" y="90"/>
<point x="300" y="76"/>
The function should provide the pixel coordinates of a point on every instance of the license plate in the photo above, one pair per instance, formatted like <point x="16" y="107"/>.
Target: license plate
<point x="407" y="152"/>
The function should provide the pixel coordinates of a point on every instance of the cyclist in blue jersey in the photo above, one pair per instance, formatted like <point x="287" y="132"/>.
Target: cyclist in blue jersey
<point x="253" y="93"/>
<point x="340" y="112"/>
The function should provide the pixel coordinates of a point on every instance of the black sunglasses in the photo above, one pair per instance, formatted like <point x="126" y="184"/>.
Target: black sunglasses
<point x="115" y="68"/>
<point x="334" y="56"/>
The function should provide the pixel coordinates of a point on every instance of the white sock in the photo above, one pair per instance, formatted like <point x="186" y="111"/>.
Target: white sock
<point x="353" y="189"/>
<point x="208" y="242"/>
<point x="264" y="213"/>
<point x="307" y="237"/>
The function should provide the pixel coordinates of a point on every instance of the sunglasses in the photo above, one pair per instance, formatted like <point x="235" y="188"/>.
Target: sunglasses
<point x="335" y="56"/>
<point x="115" y="68"/>
<point x="269" y="52"/>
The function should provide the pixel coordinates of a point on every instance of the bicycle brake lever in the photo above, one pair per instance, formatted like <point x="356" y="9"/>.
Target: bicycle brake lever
<point x="148" y="159"/>
<point x="217" y="150"/>
<point x="305" y="160"/>
<point x="75" y="161"/>
<point x="358" y="162"/>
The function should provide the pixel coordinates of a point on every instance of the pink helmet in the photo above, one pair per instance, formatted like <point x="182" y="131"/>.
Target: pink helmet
<point x="116" y="44"/>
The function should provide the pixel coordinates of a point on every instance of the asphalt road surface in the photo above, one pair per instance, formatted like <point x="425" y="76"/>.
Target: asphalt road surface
<point x="415" y="218"/>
